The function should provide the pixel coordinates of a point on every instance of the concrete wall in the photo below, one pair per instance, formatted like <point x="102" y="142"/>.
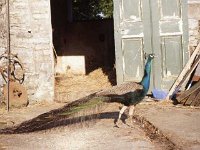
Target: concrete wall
<point x="194" y="23"/>
<point x="31" y="38"/>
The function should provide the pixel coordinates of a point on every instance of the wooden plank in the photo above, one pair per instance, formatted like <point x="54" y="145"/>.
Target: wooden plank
<point x="196" y="76"/>
<point x="185" y="78"/>
<point x="188" y="92"/>
<point x="191" y="98"/>
<point x="184" y="71"/>
<point x="197" y="98"/>
<point x="197" y="102"/>
<point x="183" y="100"/>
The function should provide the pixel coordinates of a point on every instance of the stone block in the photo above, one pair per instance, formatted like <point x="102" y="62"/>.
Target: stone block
<point x="194" y="10"/>
<point x="71" y="65"/>
<point x="193" y="24"/>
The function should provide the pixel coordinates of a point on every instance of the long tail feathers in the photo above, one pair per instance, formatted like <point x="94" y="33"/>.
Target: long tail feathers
<point x="79" y="111"/>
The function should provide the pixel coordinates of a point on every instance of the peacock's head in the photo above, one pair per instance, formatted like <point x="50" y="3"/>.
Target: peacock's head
<point x="152" y="56"/>
<point x="149" y="56"/>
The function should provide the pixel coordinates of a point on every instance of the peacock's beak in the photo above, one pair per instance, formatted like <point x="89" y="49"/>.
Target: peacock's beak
<point x="155" y="56"/>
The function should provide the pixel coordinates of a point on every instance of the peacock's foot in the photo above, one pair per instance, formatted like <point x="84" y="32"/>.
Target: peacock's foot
<point x="117" y="123"/>
<point x="130" y="122"/>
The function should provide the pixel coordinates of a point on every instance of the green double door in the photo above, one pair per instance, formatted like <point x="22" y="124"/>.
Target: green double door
<point x="150" y="26"/>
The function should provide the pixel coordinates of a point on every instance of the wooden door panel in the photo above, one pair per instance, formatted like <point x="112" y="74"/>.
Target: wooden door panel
<point x="130" y="13"/>
<point x="130" y="29"/>
<point x="132" y="59"/>
<point x="170" y="27"/>
<point x="130" y="40"/>
<point x="169" y="8"/>
<point x="169" y="40"/>
<point x="171" y="56"/>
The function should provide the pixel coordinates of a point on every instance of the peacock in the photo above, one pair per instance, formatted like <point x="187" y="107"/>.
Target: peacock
<point x="88" y="108"/>
<point x="131" y="93"/>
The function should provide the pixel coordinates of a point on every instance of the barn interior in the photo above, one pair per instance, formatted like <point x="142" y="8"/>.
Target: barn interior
<point x="83" y="39"/>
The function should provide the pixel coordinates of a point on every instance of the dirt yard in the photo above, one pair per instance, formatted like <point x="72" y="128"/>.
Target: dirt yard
<point x="94" y="135"/>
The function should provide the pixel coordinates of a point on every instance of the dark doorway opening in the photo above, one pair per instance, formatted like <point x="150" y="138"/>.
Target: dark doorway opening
<point x="83" y="35"/>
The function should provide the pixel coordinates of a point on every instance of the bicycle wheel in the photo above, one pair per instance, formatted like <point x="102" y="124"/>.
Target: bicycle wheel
<point x="18" y="72"/>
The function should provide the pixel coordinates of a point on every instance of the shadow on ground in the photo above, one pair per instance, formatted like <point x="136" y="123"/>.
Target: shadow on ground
<point x="64" y="116"/>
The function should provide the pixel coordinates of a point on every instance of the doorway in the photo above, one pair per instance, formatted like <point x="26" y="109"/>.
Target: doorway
<point x="83" y="37"/>
<point x="84" y="34"/>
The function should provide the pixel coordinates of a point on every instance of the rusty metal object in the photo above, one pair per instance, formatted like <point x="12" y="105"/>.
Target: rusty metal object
<point x="17" y="72"/>
<point x="13" y="74"/>
<point x="17" y="93"/>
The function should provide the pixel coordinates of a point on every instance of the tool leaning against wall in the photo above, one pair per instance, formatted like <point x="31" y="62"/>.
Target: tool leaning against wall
<point x="17" y="92"/>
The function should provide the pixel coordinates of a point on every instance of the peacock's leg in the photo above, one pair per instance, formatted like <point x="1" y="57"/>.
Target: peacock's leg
<point x="120" y="113"/>
<point x="131" y="110"/>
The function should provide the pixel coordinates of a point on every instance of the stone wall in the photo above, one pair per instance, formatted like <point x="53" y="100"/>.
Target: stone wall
<point x="31" y="39"/>
<point x="194" y="23"/>
<point x="3" y="41"/>
<point x="2" y="25"/>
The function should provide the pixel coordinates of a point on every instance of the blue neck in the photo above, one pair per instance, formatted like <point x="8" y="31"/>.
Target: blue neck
<point x="146" y="78"/>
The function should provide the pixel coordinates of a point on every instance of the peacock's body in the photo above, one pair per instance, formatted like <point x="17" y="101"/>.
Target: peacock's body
<point x="131" y="93"/>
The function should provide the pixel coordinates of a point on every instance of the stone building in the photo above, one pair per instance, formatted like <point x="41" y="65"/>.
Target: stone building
<point x="194" y="23"/>
<point x="31" y="37"/>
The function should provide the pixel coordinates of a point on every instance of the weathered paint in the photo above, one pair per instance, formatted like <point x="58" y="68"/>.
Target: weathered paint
<point x="150" y="26"/>
<point x="169" y="22"/>
<point x="130" y="26"/>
